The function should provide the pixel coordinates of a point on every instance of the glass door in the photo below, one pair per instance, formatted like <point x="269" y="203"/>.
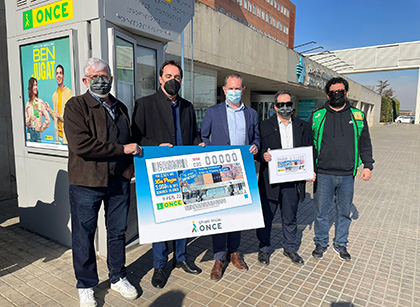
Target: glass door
<point x="146" y="71"/>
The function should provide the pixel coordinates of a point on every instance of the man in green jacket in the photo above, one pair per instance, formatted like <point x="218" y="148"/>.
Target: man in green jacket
<point x="342" y="143"/>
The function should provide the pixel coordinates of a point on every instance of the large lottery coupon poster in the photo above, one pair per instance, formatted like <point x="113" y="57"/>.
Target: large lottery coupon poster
<point x="189" y="191"/>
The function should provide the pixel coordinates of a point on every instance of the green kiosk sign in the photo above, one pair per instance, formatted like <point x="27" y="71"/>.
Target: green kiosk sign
<point x="48" y="14"/>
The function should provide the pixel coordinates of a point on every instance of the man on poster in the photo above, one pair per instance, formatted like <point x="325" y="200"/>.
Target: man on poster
<point x="230" y="123"/>
<point x="282" y="130"/>
<point x="166" y="119"/>
<point x="59" y="99"/>
<point x="100" y="168"/>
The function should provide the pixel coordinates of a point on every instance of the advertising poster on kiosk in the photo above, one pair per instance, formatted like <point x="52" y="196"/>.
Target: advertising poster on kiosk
<point x="46" y="87"/>
<point x="190" y="191"/>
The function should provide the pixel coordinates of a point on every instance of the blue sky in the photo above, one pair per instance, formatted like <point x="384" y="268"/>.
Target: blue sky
<point x="347" y="24"/>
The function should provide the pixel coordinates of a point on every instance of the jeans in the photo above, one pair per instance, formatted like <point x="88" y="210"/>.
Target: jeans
<point x="160" y="252"/>
<point x="85" y="203"/>
<point x="326" y="187"/>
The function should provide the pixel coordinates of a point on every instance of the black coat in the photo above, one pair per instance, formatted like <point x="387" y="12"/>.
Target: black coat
<point x="153" y="122"/>
<point x="270" y="138"/>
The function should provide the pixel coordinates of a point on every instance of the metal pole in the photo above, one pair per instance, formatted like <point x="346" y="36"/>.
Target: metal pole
<point x="417" y="111"/>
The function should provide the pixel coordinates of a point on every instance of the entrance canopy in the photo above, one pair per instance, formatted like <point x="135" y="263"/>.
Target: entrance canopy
<point x="375" y="59"/>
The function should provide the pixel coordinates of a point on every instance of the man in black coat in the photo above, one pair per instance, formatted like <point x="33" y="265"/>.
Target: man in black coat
<point x="281" y="131"/>
<point x="166" y="119"/>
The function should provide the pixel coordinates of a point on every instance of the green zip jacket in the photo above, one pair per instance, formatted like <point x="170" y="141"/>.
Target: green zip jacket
<point x="341" y="140"/>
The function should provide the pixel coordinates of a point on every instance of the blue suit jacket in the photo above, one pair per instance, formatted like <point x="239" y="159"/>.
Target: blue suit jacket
<point x="215" y="131"/>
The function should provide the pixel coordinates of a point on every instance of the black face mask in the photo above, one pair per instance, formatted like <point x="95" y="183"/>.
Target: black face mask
<point x="285" y="111"/>
<point x="100" y="86"/>
<point x="337" y="100"/>
<point x="172" y="87"/>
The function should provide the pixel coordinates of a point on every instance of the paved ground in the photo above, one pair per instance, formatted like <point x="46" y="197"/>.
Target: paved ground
<point x="384" y="243"/>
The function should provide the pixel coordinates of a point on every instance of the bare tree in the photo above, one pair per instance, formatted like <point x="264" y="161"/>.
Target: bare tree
<point x="389" y="92"/>
<point x="382" y="85"/>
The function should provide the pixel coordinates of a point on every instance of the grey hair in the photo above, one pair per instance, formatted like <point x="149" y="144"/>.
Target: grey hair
<point x="235" y="76"/>
<point x="281" y="92"/>
<point x="97" y="64"/>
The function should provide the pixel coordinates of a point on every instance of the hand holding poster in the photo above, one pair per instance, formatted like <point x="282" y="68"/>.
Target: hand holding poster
<point x="291" y="164"/>
<point x="194" y="191"/>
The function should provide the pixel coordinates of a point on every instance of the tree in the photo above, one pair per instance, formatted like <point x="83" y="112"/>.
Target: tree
<point x="390" y="107"/>
<point x="382" y="85"/>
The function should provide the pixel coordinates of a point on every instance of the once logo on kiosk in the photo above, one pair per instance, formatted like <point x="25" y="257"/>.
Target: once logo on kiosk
<point x="48" y="14"/>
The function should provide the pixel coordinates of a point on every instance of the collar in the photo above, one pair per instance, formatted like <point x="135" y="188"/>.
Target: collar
<point x="112" y="99"/>
<point x="279" y="121"/>
<point x="238" y="109"/>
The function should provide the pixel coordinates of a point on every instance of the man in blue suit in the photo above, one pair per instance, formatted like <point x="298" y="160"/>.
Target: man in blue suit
<point x="230" y="123"/>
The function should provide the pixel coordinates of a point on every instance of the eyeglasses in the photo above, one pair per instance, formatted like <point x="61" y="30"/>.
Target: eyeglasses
<point x="282" y="104"/>
<point x="341" y="92"/>
<point x="105" y="77"/>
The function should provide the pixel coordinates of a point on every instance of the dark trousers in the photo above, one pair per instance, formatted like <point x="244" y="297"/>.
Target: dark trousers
<point x="85" y="203"/>
<point x="288" y="202"/>
<point x="160" y="252"/>
<point x="231" y="240"/>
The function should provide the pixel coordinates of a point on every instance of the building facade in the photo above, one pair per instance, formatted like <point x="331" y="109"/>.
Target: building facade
<point x="274" y="19"/>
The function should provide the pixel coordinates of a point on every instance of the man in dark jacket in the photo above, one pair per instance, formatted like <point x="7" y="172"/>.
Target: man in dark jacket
<point x="281" y="131"/>
<point x="166" y="119"/>
<point x="100" y="168"/>
<point x="342" y="143"/>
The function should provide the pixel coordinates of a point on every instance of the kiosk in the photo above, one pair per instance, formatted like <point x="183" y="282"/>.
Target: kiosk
<point x="48" y="43"/>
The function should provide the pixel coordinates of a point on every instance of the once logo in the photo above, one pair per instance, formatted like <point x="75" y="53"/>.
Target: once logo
<point x="169" y="204"/>
<point x="209" y="227"/>
<point x="48" y="14"/>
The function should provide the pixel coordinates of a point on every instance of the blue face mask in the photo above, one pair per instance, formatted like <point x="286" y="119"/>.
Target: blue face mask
<point x="233" y="96"/>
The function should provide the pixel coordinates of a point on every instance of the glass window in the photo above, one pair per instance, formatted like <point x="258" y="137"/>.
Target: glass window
<point x="228" y="14"/>
<point x="125" y="72"/>
<point x="146" y="72"/>
<point x="222" y="10"/>
<point x="259" y="12"/>
<point x="262" y="14"/>
<point x="240" y="2"/>
<point x="254" y="9"/>
<point x="205" y="85"/>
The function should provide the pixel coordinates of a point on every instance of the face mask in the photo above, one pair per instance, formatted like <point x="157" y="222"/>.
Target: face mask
<point x="285" y="111"/>
<point x="233" y="96"/>
<point x="337" y="99"/>
<point x="100" y="86"/>
<point x="172" y="87"/>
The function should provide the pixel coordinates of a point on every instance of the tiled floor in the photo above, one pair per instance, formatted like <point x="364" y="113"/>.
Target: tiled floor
<point x="384" y="244"/>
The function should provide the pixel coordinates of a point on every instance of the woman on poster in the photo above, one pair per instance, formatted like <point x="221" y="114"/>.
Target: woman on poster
<point x="36" y="115"/>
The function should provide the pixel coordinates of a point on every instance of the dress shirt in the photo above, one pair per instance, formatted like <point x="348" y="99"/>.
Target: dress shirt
<point x="110" y="109"/>
<point x="236" y="124"/>
<point x="286" y="133"/>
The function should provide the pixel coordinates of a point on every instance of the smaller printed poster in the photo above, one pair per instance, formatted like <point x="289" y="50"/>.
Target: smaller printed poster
<point x="189" y="191"/>
<point x="292" y="164"/>
<point x="46" y="86"/>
